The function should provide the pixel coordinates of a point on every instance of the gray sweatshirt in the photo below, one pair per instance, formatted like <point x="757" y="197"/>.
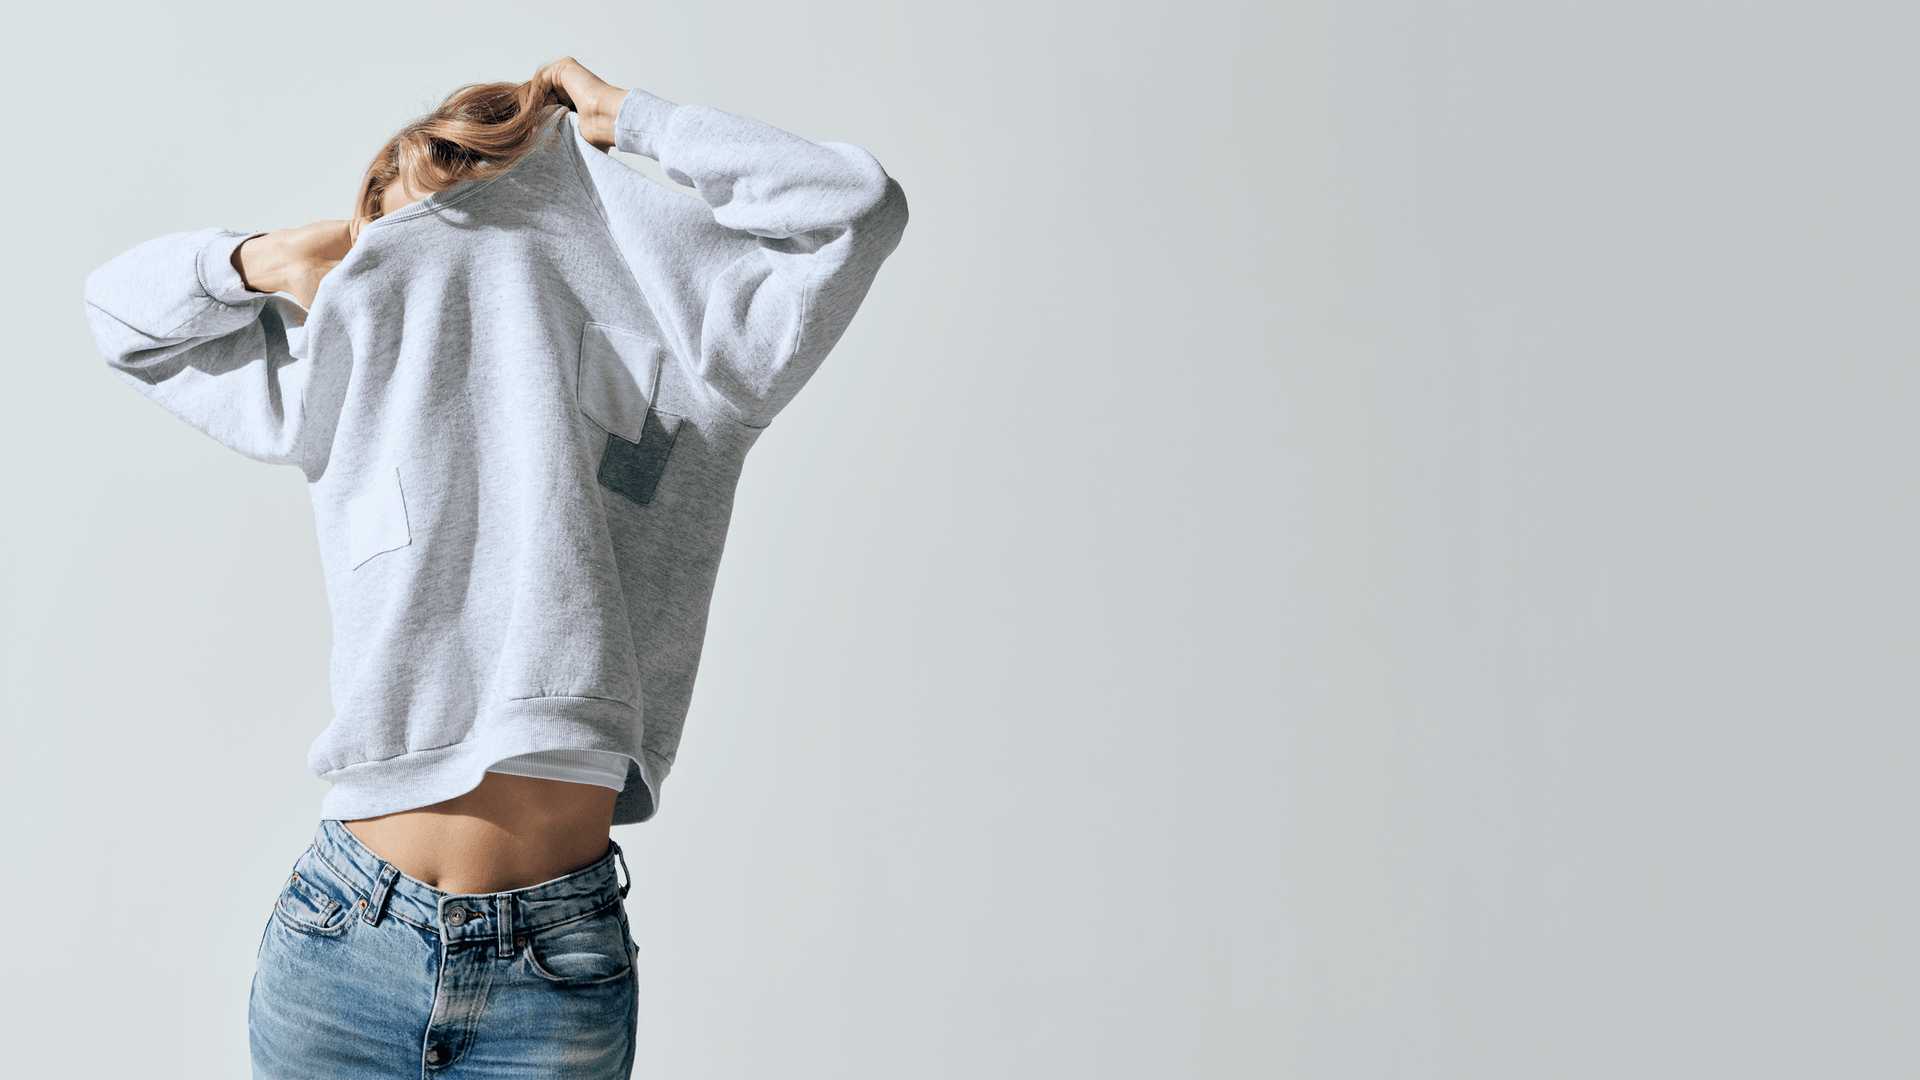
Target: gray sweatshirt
<point x="522" y="406"/>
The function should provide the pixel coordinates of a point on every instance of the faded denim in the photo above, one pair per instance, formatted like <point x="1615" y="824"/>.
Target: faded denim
<point x="365" y="973"/>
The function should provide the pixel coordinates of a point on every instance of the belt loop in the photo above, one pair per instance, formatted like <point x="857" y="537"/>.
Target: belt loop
<point x="503" y="915"/>
<point x="620" y="855"/>
<point x="382" y="890"/>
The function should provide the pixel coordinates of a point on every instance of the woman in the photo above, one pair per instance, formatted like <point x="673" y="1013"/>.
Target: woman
<point x="521" y="382"/>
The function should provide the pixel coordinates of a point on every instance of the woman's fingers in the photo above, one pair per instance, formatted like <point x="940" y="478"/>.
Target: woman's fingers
<point x="567" y="82"/>
<point x="550" y="89"/>
<point x="557" y="76"/>
<point x="572" y="84"/>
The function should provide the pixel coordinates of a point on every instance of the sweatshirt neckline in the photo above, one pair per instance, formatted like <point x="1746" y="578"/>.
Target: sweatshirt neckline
<point x="437" y="200"/>
<point x="440" y="200"/>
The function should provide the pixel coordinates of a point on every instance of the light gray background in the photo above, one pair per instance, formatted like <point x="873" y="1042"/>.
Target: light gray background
<point x="1352" y="540"/>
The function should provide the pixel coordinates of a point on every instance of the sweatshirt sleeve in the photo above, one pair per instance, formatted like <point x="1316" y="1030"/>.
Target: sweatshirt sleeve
<point x="173" y="319"/>
<point x="760" y="282"/>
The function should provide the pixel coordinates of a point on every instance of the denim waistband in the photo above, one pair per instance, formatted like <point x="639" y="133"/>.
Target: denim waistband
<point x="384" y="890"/>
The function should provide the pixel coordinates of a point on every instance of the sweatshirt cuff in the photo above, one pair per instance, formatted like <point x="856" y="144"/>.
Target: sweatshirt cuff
<point x="218" y="277"/>
<point x="642" y="123"/>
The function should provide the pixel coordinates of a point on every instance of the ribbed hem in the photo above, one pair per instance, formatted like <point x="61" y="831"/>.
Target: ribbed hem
<point x="218" y="277"/>
<point x="642" y="123"/>
<point x="425" y="777"/>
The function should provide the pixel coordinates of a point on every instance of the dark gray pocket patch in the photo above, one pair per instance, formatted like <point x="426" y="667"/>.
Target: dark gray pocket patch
<point x="633" y="468"/>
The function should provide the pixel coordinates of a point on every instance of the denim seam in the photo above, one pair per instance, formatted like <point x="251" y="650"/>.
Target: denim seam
<point x="571" y="919"/>
<point x="346" y="880"/>
<point x="309" y="929"/>
<point x="349" y="881"/>
<point x="523" y="928"/>
<point x="533" y="962"/>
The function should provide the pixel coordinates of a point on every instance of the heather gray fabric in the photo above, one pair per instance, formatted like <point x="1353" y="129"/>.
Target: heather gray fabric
<point x="522" y="407"/>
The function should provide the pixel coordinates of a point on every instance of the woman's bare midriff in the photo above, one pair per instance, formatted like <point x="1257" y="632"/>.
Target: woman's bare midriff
<point x="506" y="834"/>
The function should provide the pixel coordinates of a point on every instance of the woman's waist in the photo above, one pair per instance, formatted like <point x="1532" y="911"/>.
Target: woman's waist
<point x="509" y="833"/>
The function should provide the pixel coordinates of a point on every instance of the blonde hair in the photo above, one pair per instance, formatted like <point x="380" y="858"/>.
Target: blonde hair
<point x="477" y="133"/>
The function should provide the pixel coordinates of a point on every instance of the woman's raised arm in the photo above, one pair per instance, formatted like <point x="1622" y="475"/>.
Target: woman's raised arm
<point x="174" y="318"/>
<point x="757" y="285"/>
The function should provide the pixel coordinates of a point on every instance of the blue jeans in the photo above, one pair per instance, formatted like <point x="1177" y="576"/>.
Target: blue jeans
<point x="364" y="973"/>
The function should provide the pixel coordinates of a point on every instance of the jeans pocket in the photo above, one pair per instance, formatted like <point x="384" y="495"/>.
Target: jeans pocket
<point x="311" y="903"/>
<point x="584" y="952"/>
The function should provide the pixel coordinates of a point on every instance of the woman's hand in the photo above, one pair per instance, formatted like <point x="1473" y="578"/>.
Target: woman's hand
<point x="293" y="260"/>
<point x="569" y="84"/>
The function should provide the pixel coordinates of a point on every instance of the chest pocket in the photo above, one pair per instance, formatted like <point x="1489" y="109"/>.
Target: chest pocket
<point x="377" y="519"/>
<point x="619" y="381"/>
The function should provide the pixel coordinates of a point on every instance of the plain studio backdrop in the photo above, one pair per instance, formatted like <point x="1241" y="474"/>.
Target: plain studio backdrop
<point x="1351" y="540"/>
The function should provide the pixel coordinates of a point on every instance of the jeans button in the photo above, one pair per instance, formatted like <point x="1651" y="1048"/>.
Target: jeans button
<point x="456" y="916"/>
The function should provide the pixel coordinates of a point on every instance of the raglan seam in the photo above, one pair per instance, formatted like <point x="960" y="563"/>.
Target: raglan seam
<point x="593" y="197"/>
<point x="585" y="178"/>
<point x="800" y="328"/>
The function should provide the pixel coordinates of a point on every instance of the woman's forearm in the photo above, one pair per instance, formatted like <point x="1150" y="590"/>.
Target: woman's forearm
<point x="293" y="260"/>
<point x="259" y="259"/>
